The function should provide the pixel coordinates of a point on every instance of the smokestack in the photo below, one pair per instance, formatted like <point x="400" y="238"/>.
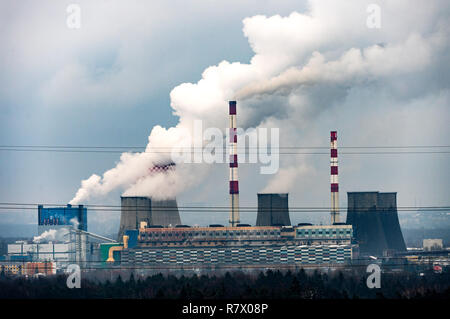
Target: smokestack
<point x="234" y="184"/>
<point x="334" y="178"/>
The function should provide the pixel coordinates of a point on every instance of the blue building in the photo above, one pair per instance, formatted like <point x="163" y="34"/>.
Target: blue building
<point x="59" y="217"/>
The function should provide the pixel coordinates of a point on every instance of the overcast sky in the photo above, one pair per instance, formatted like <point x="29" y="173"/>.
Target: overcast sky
<point x="306" y="67"/>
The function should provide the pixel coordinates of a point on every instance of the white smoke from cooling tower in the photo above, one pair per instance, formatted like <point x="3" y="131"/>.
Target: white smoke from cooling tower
<point x="132" y="171"/>
<point x="285" y="179"/>
<point x="286" y="58"/>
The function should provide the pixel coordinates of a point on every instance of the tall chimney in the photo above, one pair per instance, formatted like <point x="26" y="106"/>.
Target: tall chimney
<point x="234" y="184"/>
<point x="334" y="178"/>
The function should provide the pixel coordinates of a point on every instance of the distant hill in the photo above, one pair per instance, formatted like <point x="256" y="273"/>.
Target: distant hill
<point x="424" y="219"/>
<point x="17" y="230"/>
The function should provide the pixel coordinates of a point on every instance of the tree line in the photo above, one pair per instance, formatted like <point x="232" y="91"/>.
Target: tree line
<point x="235" y="285"/>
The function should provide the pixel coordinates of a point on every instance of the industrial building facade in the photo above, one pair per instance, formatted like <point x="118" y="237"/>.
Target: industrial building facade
<point x="238" y="246"/>
<point x="60" y="217"/>
<point x="246" y="255"/>
<point x="60" y="252"/>
<point x="65" y="242"/>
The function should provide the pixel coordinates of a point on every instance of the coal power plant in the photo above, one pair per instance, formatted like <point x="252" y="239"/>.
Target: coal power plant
<point x="151" y="235"/>
<point x="374" y="218"/>
<point x="273" y="210"/>
<point x="136" y="210"/>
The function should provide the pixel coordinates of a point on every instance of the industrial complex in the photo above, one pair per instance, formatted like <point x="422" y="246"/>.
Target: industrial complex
<point x="151" y="235"/>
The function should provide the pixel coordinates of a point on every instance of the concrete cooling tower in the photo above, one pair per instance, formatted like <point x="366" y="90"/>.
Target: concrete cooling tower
<point x="165" y="213"/>
<point x="375" y="222"/>
<point x="387" y="209"/>
<point x="273" y="210"/>
<point x="135" y="210"/>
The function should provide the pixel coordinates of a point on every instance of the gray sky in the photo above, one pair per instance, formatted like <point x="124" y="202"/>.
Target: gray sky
<point x="110" y="82"/>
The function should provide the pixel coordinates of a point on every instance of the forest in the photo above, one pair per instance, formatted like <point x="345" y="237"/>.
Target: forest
<point x="272" y="284"/>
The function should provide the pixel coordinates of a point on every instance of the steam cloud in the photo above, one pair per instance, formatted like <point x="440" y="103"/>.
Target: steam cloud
<point x="51" y="234"/>
<point x="292" y="55"/>
<point x="59" y="234"/>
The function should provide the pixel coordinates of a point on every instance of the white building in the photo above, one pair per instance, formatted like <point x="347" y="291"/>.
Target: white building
<point x="432" y="244"/>
<point x="58" y="252"/>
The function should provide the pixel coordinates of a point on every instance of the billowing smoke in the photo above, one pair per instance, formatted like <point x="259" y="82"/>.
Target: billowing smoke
<point x="286" y="178"/>
<point x="75" y="223"/>
<point x="353" y="66"/>
<point x="134" y="170"/>
<point x="60" y="234"/>
<point x="52" y="235"/>
<point x="302" y="63"/>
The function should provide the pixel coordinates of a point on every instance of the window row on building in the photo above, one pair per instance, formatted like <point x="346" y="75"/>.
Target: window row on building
<point x="238" y="255"/>
<point x="174" y="234"/>
<point x="328" y="232"/>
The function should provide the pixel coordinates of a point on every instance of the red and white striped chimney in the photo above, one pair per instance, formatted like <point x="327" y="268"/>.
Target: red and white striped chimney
<point x="334" y="178"/>
<point x="234" y="184"/>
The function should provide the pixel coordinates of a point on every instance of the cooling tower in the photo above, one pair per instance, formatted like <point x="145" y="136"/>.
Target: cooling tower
<point x="387" y="208"/>
<point x="135" y="210"/>
<point x="374" y="218"/>
<point x="273" y="210"/>
<point x="165" y="213"/>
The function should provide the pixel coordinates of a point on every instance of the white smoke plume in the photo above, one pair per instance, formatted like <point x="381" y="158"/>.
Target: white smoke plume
<point x="59" y="234"/>
<point x="132" y="173"/>
<point x="327" y="45"/>
<point x="354" y="65"/>
<point x="286" y="178"/>
<point x="52" y="235"/>
<point x="75" y="223"/>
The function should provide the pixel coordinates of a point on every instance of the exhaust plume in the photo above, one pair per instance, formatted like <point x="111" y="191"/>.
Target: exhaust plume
<point x="292" y="55"/>
<point x="51" y="235"/>
<point x="59" y="234"/>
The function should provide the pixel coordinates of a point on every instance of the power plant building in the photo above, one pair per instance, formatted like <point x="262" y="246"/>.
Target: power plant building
<point x="62" y="217"/>
<point x="24" y="251"/>
<point x="62" y="240"/>
<point x="273" y="242"/>
<point x="179" y="247"/>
